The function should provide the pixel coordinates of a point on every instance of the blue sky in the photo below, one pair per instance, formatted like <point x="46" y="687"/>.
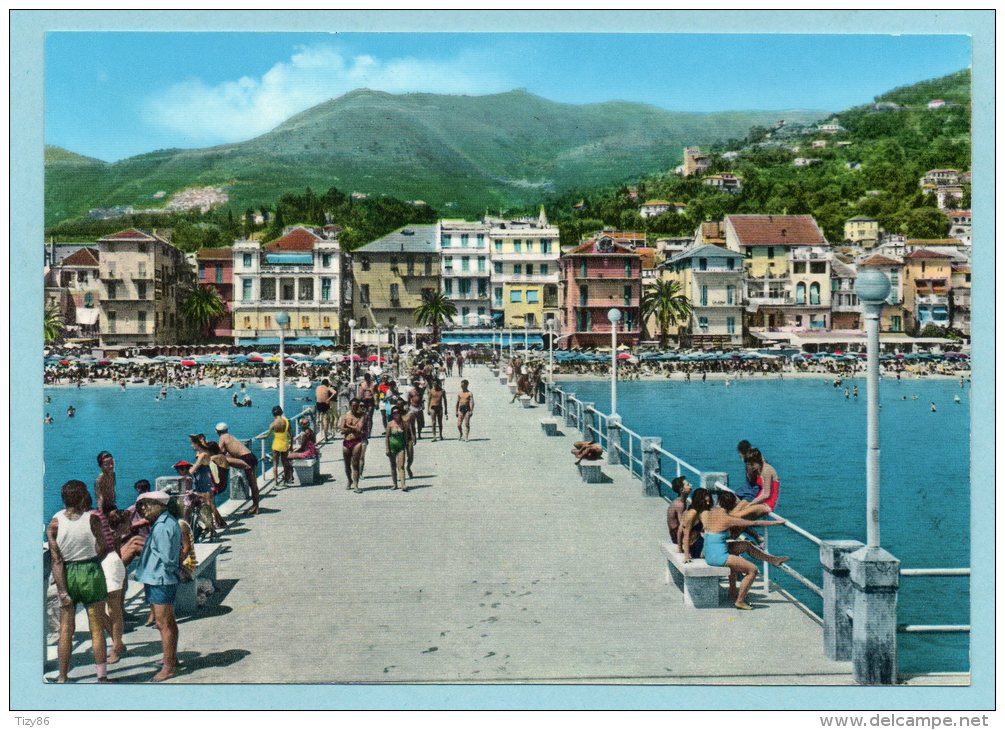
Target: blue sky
<point x="113" y="95"/>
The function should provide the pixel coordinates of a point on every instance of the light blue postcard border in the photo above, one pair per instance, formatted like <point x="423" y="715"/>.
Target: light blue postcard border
<point x="28" y="692"/>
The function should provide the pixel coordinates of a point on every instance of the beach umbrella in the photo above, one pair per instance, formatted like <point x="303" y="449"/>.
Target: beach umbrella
<point x="255" y="358"/>
<point x="64" y="362"/>
<point x="624" y="355"/>
<point x="188" y="363"/>
<point x="355" y="358"/>
<point x="375" y="358"/>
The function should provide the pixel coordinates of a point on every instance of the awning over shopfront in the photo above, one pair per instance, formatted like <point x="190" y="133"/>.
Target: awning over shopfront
<point x="87" y="316"/>
<point x="274" y="342"/>
<point x="486" y="339"/>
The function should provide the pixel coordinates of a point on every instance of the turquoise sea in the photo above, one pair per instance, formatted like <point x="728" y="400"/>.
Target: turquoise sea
<point x="815" y="438"/>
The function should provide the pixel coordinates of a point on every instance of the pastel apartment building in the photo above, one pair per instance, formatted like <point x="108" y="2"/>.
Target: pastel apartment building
<point x="525" y="272"/>
<point x="598" y="275"/>
<point x="711" y="277"/>
<point x="143" y="281"/>
<point x="895" y="317"/>
<point x="466" y="270"/>
<point x="216" y="270"/>
<point x="862" y="231"/>
<point x="73" y="285"/>
<point x="299" y="273"/>
<point x="927" y="277"/>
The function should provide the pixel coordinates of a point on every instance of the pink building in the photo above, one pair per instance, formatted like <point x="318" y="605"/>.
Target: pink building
<point x="216" y="269"/>
<point x="598" y="275"/>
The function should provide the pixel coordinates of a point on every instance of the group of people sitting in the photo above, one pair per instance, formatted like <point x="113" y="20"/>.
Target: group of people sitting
<point x="714" y="528"/>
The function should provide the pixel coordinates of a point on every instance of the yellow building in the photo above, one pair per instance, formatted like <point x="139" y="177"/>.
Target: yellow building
<point x="524" y="255"/>
<point x="391" y="275"/>
<point x="862" y="231"/>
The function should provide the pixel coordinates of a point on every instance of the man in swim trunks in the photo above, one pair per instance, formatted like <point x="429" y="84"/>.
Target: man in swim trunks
<point x="323" y="395"/>
<point x="352" y="426"/>
<point x="436" y="398"/>
<point x="465" y="409"/>
<point x="240" y="456"/>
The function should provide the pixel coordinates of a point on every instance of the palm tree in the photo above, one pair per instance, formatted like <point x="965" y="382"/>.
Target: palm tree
<point x="201" y="307"/>
<point x="52" y="324"/>
<point x="434" y="311"/>
<point x="664" y="300"/>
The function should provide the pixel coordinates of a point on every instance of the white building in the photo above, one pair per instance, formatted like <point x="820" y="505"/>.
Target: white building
<point x="465" y="269"/>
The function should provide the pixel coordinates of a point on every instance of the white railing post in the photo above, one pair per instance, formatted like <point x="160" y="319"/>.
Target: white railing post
<point x="570" y="409"/>
<point x="838" y="597"/>
<point x="613" y="439"/>
<point x="651" y="467"/>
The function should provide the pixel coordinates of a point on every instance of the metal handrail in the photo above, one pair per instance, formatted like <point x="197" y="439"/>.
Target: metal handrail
<point x="936" y="572"/>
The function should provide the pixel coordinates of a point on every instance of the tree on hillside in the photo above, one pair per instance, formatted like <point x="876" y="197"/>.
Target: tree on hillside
<point x="665" y="301"/>
<point x="201" y="307"/>
<point x="925" y="223"/>
<point x="53" y="325"/>
<point x="435" y="311"/>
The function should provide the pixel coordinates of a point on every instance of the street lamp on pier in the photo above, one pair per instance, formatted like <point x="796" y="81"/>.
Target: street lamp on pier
<point x="282" y="319"/>
<point x="352" y="351"/>
<point x="614" y="316"/>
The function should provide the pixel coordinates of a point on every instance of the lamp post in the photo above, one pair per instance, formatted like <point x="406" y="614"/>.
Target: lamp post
<point x="378" y="348"/>
<point x="872" y="288"/>
<point x="614" y="316"/>
<point x="282" y="319"/>
<point x="352" y="351"/>
<point x="551" y="351"/>
<point x="526" y="340"/>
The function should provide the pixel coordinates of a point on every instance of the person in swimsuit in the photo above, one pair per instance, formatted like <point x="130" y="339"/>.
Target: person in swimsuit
<point x="728" y="502"/>
<point x="465" y="409"/>
<point x="690" y="532"/>
<point x="716" y="524"/>
<point x="304" y="445"/>
<point x="437" y="396"/>
<point x="415" y="418"/>
<point x="460" y="365"/>
<point x="766" y="478"/>
<point x="212" y="465"/>
<point x="104" y="485"/>
<point x="589" y="450"/>
<point x="280" y="432"/>
<point x="322" y="397"/>
<point x="675" y="512"/>
<point x="240" y="456"/>
<point x="352" y="425"/>
<point x="76" y="547"/>
<point x="365" y="393"/>
<point x="396" y="442"/>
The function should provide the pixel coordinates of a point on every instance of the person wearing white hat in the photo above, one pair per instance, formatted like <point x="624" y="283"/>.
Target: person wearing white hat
<point x="240" y="456"/>
<point x="158" y="568"/>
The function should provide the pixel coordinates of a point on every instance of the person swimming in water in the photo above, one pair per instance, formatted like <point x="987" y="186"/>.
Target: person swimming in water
<point x="71" y="412"/>
<point x="48" y="417"/>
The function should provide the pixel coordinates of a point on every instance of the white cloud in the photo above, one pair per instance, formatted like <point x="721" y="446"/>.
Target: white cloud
<point x="235" y="110"/>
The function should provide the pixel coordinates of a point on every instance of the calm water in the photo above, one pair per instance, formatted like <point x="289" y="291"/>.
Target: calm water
<point x="816" y="440"/>
<point x="145" y="435"/>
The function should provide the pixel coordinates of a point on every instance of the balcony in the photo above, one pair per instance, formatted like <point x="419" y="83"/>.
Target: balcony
<point x="288" y="269"/>
<point x="716" y="303"/>
<point x="607" y="275"/>
<point x="940" y="299"/>
<point x="770" y="301"/>
<point x="286" y="303"/>
<point x="717" y="270"/>
<point x="452" y="273"/>
<point x="619" y="304"/>
<point x="806" y="255"/>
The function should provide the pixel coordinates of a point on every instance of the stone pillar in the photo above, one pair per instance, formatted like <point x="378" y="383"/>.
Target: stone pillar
<point x="556" y="402"/>
<point x="875" y="577"/>
<point x="838" y="597"/>
<point x="651" y="465"/>
<point x="570" y="409"/>
<point x="586" y="422"/>
<point x="710" y="478"/>
<point x="613" y="439"/>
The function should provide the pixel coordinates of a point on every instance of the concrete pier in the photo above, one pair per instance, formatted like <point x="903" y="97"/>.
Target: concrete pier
<point x="499" y="566"/>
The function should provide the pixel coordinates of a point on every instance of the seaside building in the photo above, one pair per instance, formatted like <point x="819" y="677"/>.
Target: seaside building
<point x="216" y="271"/>
<point x="653" y="208"/>
<point x="862" y="231"/>
<point x="299" y="273"/>
<point x="598" y="275"/>
<point x="711" y="277"/>
<point x="392" y="274"/>
<point x="525" y="262"/>
<point x="959" y="298"/>
<point x="845" y="306"/>
<point x="894" y="317"/>
<point x="726" y="182"/>
<point x="926" y="288"/>
<point x="143" y="280"/>
<point x="787" y="260"/>
<point x="960" y="225"/>
<point x="465" y="270"/>
<point x="73" y="285"/>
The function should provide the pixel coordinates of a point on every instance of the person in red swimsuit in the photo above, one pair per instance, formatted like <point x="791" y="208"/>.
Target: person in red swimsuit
<point x="766" y="478"/>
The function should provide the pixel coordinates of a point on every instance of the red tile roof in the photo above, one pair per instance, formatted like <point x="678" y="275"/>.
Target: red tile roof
<point x="922" y="253"/>
<point x="879" y="260"/>
<point x="958" y="213"/>
<point x="82" y="257"/>
<point x="648" y="256"/>
<point x="932" y="242"/>
<point x="133" y="234"/>
<point x="215" y="254"/>
<point x="299" y="239"/>
<point x="778" y="230"/>
<point x="590" y="247"/>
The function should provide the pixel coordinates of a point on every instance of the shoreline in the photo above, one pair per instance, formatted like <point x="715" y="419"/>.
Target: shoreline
<point x="696" y="377"/>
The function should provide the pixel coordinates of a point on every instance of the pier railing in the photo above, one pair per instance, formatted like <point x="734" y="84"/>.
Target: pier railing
<point x="646" y="458"/>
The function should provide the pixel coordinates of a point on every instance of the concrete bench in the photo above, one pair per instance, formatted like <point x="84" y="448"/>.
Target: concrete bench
<point x="525" y="401"/>
<point x="205" y="556"/>
<point x="549" y="426"/>
<point x="307" y="471"/>
<point x="590" y="472"/>
<point x="512" y="388"/>
<point x="698" y="580"/>
<point x="503" y="379"/>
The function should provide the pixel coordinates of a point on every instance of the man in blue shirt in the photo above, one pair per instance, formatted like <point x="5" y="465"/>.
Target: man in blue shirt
<point x="158" y="571"/>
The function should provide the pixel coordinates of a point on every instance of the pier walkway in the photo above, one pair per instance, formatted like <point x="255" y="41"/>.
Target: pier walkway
<point x="499" y="565"/>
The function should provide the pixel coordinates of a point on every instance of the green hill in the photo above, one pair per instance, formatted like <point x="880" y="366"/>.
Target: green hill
<point x="461" y="154"/>
<point x="871" y="167"/>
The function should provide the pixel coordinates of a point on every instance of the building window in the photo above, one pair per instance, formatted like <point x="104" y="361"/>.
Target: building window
<point x="446" y="240"/>
<point x="702" y="264"/>
<point x="111" y="290"/>
<point x="364" y="293"/>
<point x="480" y="240"/>
<point x="517" y="245"/>
<point x="305" y="322"/>
<point x="532" y="295"/>
<point x="730" y="326"/>
<point x="326" y="289"/>
<point x="141" y="326"/>
<point x="482" y="288"/>
<point x="497" y="296"/>
<point x="202" y="270"/>
<point x="515" y="295"/>
<point x="410" y="262"/>
<point x="530" y="269"/>
<point x="498" y="246"/>
<point x="748" y="253"/>
<point x="326" y="323"/>
<point x="247" y="323"/>
<point x="464" y="240"/>
<point x="628" y="295"/>
<point x="730" y="294"/>
<point x="219" y="273"/>
<point x="798" y="267"/>
<point x="800" y="293"/>
<point x="448" y="287"/>
<point x="730" y="263"/>
<point x="464" y="287"/>
<point x="394" y="295"/>
<point x="247" y="260"/>
<point x="287" y="290"/>
<point x="364" y="263"/>
<point x="481" y="313"/>
<point x="268" y="287"/>
<point x="326" y="260"/>
<point x="543" y="268"/>
<point x="497" y="267"/>
<point x="518" y="268"/>
<point x="895" y="324"/>
<point x="584" y="294"/>
<point x="427" y="266"/>
<point x="582" y="268"/>
<point x="814" y="293"/>
<point x="481" y="264"/>
<point x="88" y="300"/>
<point x="448" y="263"/>
<point x="465" y="263"/>
<point x="267" y="322"/>
<point x="703" y="324"/>
<point x="545" y="245"/>
<point x="704" y="295"/>
<point x="111" y="323"/>
<point x="818" y="267"/>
